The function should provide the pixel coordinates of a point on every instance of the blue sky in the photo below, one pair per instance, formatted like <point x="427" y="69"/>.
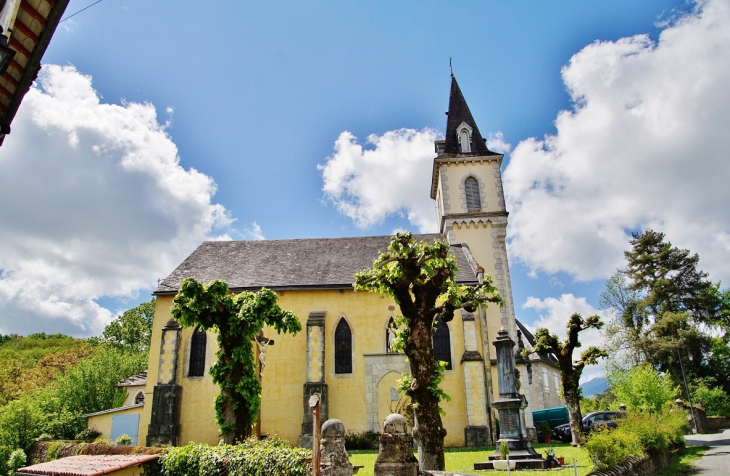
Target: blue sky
<point x="254" y="95"/>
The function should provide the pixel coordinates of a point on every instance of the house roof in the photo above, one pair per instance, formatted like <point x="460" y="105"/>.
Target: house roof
<point x="318" y="263"/>
<point x="86" y="465"/>
<point x="459" y="112"/>
<point x="31" y="27"/>
<point x="543" y="356"/>
<point x="134" y="380"/>
<point x="112" y="410"/>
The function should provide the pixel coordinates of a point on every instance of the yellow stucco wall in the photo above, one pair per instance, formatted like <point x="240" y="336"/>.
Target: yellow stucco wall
<point x="286" y="369"/>
<point x="103" y="422"/>
<point x="132" y="392"/>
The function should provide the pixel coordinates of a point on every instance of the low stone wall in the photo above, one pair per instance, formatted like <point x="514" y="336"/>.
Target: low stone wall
<point x="717" y="423"/>
<point x="647" y="465"/>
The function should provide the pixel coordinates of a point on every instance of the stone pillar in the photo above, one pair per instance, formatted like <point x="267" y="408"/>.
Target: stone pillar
<point x="477" y="431"/>
<point x="164" y="427"/>
<point x="395" y="454"/>
<point x="315" y="375"/>
<point x="334" y="459"/>
<point x="512" y="426"/>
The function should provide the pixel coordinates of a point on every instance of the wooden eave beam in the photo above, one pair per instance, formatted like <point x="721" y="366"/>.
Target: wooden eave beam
<point x="28" y="8"/>
<point x="19" y="47"/>
<point x="23" y="28"/>
<point x="30" y="72"/>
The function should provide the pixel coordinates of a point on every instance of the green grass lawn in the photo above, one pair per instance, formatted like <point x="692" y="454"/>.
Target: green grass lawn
<point x="463" y="459"/>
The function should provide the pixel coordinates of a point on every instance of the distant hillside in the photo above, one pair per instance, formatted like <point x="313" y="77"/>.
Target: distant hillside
<point x="594" y="386"/>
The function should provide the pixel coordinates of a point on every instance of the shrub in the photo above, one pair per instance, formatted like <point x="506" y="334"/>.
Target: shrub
<point x="637" y="433"/>
<point x="5" y="452"/>
<point x="362" y="440"/>
<point x="16" y="460"/>
<point x="612" y="446"/>
<point x="713" y="400"/>
<point x="123" y="440"/>
<point x="44" y="437"/>
<point x="88" y="435"/>
<point x="103" y="441"/>
<point x="272" y="456"/>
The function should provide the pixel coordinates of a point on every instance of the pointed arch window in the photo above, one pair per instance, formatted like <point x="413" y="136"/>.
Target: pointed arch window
<point x="442" y="342"/>
<point x="463" y="136"/>
<point x="139" y="398"/>
<point x="197" y="353"/>
<point x="343" y="348"/>
<point x="473" y="198"/>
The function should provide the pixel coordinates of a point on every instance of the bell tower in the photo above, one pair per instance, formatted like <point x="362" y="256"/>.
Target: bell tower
<point x="466" y="183"/>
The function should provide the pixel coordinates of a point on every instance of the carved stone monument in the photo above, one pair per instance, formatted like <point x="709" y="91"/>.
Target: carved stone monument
<point x="511" y="424"/>
<point x="334" y="459"/>
<point x="395" y="455"/>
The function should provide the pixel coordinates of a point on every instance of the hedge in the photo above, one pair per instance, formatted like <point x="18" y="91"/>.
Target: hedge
<point x="269" y="457"/>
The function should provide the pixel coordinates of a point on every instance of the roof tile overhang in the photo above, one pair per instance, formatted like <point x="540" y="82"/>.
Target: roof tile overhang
<point x="29" y="34"/>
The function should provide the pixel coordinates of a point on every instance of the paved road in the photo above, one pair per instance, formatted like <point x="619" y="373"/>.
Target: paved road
<point x="716" y="462"/>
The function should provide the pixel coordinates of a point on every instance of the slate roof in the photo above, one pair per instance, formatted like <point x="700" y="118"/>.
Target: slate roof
<point x="459" y="112"/>
<point x="134" y="380"/>
<point x="548" y="358"/>
<point x="87" y="465"/>
<point x="317" y="263"/>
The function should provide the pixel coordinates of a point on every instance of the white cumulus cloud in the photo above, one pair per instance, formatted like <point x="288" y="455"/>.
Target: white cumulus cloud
<point x="93" y="203"/>
<point x="554" y="314"/>
<point x="644" y="146"/>
<point x="390" y="175"/>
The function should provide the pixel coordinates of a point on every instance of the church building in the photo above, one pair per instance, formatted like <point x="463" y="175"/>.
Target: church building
<point x="344" y="351"/>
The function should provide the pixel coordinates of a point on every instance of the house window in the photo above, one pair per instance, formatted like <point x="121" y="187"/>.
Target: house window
<point x="390" y="336"/>
<point x="557" y="383"/>
<point x="139" y="398"/>
<point x="197" y="353"/>
<point x="442" y="343"/>
<point x="471" y="188"/>
<point x="343" y="348"/>
<point x="546" y="382"/>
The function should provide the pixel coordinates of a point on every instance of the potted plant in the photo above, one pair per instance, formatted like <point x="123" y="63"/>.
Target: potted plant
<point x="544" y="430"/>
<point x="504" y="463"/>
<point x="550" y="458"/>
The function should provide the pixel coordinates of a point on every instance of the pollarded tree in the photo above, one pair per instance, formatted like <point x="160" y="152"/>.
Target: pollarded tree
<point x="569" y="369"/>
<point x="420" y="277"/>
<point x="238" y="320"/>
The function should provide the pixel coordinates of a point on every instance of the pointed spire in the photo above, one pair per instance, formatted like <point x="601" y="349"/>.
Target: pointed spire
<point x="459" y="114"/>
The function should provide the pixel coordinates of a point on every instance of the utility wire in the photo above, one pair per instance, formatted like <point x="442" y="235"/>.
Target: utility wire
<point x="85" y="8"/>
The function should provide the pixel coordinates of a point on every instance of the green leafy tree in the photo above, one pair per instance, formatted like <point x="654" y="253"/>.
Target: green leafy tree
<point x="662" y="301"/>
<point x="20" y="422"/>
<point x="641" y="388"/>
<point x="420" y="277"/>
<point x="132" y="330"/>
<point x="571" y="370"/>
<point x="90" y="386"/>
<point x="238" y="320"/>
<point x="714" y="400"/>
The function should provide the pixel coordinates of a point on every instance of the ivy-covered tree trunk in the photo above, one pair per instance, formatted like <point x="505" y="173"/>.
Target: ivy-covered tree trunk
<point x="429" y="428"/>
<point x="421" y="279"/>
<point x="238" y="319"/>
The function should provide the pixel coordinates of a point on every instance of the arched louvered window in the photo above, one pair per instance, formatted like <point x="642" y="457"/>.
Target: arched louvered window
<point x="197" y="353"/>
<point x="343" y="348"/>
<point x="442" y="343"/>
<point x="139" y="398"/>
<point x="473" y="200"/>
<point x="464" y="141"/>
<point x="390" y="336"/>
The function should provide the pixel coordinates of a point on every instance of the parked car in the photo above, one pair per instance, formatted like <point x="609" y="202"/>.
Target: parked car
<point x="590" y="422"/>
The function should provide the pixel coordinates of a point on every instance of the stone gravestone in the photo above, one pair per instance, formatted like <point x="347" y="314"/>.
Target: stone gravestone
<point x="395" y="455"/>
<point x="334" y="458"/>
